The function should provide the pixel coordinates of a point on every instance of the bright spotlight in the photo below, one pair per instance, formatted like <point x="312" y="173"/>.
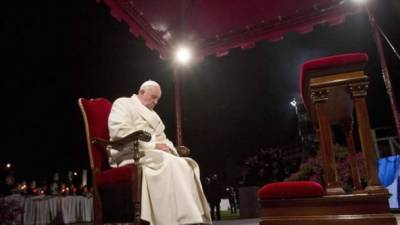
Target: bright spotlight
<point x="8" y="165"/>
<point x="293" y="103"/>
<point x="183" y="55"/>
<point x="360" y="1"/>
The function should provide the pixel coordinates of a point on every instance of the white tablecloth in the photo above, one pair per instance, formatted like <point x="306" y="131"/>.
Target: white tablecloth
<point x="42" y="210"/>
<point x="76" y="209"/>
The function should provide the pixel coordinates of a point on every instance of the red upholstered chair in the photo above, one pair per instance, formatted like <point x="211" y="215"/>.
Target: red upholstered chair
<point x="117" y="191"/>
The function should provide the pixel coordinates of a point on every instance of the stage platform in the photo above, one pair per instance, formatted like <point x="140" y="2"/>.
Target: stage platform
<point x="256" y="221"/>
<point x="238" y="222"/>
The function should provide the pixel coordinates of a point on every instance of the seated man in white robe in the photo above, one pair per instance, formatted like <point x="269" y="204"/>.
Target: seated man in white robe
<point x="171" y="191"/>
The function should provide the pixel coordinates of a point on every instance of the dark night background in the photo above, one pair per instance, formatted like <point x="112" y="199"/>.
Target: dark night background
<point x="55" y="52"/>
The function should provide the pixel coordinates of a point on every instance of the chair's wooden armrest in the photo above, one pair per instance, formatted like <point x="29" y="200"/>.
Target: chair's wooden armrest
<point x="183" y="151"/>
<point x="135" y="136"/>
<point x="100" y="141"/>
<point x="131" y="142"/>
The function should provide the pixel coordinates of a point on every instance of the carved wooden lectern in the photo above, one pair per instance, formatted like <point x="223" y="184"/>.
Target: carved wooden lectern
<point x="333" y="89"/>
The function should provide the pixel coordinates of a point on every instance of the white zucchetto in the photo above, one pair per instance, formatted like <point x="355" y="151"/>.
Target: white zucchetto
<point x="149" y="83"/>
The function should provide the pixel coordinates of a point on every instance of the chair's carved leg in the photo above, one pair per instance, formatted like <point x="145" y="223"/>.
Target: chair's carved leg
<point x="136" y="184"/>
<point x="97" y="207"/>
<point x="136" y="194"/>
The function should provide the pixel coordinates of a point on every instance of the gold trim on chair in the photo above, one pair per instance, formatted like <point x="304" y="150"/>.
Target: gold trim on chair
<point x="88" y="141"/>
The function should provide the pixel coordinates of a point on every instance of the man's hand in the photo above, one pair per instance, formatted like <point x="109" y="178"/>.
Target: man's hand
<point x="163" y="147"/>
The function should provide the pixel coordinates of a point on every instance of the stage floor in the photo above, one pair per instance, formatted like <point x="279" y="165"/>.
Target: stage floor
<point x="256" y="221"/>
<point x="238" y="222"/>
<point x="242" y="221"/>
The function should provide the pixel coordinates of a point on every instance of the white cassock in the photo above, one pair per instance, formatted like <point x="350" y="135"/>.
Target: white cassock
<point x="171" y="191"/>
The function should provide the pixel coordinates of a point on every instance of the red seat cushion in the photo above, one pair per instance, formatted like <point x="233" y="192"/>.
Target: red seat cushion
<point x="115" y="189"/>
<point x="291" y="189"/>
<point x="115" y="175"/>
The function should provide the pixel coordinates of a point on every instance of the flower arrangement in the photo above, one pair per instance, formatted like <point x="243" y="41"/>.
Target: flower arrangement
<point x="311" y="168"/>
<point x="9" y="212"/>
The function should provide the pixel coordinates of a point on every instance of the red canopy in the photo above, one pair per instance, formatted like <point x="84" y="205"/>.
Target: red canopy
<point x="215" y="26"/>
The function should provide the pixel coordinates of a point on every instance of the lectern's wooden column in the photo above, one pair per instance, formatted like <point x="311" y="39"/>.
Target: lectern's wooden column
<point x="348" y="130"/>
<point x="358" y="92"/>
<point x="319" y="98"/>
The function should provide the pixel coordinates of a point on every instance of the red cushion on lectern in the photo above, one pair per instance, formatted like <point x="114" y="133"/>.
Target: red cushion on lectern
<point x="335" y="60"/>
<point x="328" y="62"/>
<point x="291" y="189"/>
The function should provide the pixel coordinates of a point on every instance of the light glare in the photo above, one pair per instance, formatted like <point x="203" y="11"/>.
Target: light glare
<point x="183" y="55"/>
<point x="293" y="103"/>
<point x="359" y="1"/>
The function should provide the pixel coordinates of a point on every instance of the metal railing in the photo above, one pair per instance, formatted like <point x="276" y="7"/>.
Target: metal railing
<point x="386" y="141"/>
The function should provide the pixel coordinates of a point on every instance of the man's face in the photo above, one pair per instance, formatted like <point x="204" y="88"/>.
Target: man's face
<point x="150" y="96"/>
